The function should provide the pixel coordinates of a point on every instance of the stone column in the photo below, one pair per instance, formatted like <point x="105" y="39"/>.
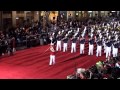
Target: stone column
<point x="106" y="13"/>
<point x="86" y="14"/>
<point x="25" y="15"/>
<point x="99" y="13"/>
<point x="14" y="18"/>
<point x="1" y="20"/>
<point x="36" y="15"/>
<point x="94" y="12"/>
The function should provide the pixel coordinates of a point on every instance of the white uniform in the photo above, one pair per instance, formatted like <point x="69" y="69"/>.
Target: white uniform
<point x="52" y="56"/>
<point x="108" y="50"/>
<point x="82" y="46"/>
<point x="99" y="49"/>
<point x="104" y="44"/>
<point x="65" y="45"/>
<point x="73" y="46"/>
<point x="58" y="47"/>
<point x="91" y="47"/>
<point x="115" y="51"/>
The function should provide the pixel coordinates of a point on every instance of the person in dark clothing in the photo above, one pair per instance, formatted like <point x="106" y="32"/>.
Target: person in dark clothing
<point x="3" y="47"/>
<point x="10" y="46"/>
<point x="28" y="42"/>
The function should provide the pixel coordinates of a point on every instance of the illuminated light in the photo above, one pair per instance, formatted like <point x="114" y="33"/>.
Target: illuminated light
<point x="113" y="11"/>
<point x="89" y="11"/>
<point x="17" y="17"/>
<point x="76" y="13"/>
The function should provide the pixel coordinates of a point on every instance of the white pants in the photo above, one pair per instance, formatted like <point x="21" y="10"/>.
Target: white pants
<point x="58" y="45"/>
<point x="115" y="52"/>
<point x="52" y="59"/>
<point x="99" y="49"/>
<point x="73" y="47"/>
<point x="90" y="50"/>
<point x="82" y="48"/>
<point x="65" y="47"/>
<point x="108" y="52"/>
<point x="14" y="50"/>
<point x="104" y="48"/>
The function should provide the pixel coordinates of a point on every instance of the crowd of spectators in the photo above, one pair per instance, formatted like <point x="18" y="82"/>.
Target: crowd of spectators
<point x="101" y="70"/>
<point x="33" y="34"/>
<point x="27" y="35"/>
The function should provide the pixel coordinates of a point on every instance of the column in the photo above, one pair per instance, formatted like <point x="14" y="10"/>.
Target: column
<point x="94" y="12"/>
<point x="86" y="14"/>
<point x="106" y="13"/>
<point x="1" y="20"/>
<point x="36" y="15"/>
<point x="14" y="18"/>
<point x="102" y="13"/>
<point x="99" y="13"/>
<point x="25" y="15"/>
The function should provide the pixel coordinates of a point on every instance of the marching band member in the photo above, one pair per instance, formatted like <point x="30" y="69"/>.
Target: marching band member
<point x="65" y="43"/>
<point x="58" y="47"/>
<point x="108" y="49"/>
<point x="73" y="46"/>
<point x="91" y="42"/>
<point x="52" y="54"/>
<point x="99" y="47"/>
<point x="82" y="45"/>
<point x="13" y="42"/>
<point x="115" y="48"/>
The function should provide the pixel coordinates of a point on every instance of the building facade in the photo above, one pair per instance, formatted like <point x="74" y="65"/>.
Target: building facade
<point x="14" y="18"/>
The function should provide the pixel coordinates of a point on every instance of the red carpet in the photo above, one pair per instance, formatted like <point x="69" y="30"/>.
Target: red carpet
<point x="32" y="64"/>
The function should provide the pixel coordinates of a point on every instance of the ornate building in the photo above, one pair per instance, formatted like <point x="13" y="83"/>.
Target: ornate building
<point x="13" y="18"/>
